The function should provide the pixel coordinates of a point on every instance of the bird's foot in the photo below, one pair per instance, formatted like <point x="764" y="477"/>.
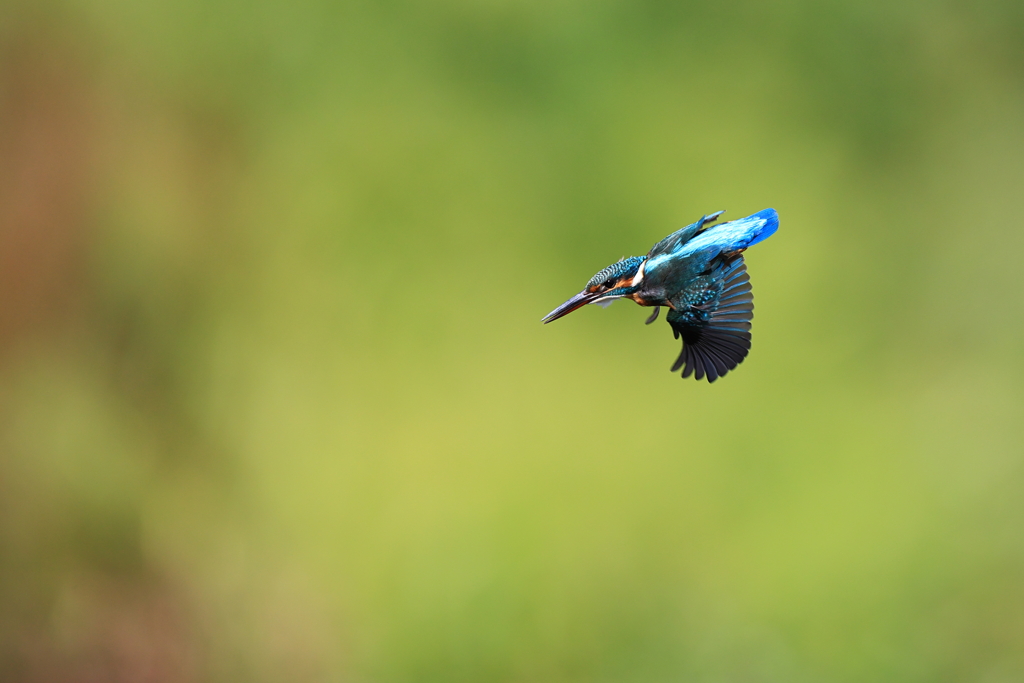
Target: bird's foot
<point x="654" y="316"/>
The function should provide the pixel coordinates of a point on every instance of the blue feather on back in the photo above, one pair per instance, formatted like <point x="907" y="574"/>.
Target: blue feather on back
<point x="771" y="218"/>
<point x="738" y="234"/>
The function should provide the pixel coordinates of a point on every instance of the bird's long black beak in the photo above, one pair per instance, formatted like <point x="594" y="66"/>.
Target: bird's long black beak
<point x="581" y="299"/>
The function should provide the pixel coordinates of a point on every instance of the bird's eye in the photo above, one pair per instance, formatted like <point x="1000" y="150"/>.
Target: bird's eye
<point x="608" y="284"/>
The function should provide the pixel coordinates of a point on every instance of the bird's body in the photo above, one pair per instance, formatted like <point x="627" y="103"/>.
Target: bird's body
<point x="699" y="274"/>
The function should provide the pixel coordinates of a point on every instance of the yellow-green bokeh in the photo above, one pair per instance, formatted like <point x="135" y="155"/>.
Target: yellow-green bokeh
<point x="275" y="401"/>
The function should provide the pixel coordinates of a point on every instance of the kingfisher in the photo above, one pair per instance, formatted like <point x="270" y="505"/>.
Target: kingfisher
<point x="698" y="273"/>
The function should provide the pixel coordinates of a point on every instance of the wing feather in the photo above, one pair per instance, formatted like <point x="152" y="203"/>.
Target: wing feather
<point x="714" y="320"/>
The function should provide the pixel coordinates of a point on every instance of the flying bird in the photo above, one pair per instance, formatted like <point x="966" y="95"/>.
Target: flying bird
<point x="698" y="273"/>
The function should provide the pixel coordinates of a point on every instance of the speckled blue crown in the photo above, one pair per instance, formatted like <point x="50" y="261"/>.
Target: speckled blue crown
<point x="625" y="268"/>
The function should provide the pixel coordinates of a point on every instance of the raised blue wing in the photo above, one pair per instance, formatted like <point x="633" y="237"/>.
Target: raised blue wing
<point x="735" y="235"/>
<point x="680" y="237"/>
<point x="668" y="271"/>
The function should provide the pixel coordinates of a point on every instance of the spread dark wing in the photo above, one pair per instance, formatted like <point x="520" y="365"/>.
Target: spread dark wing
<point x="680" y="237"/>
<point x="713" y="317"/>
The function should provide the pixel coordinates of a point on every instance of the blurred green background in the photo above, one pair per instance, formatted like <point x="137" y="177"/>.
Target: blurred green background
<point x="275" y="400"/>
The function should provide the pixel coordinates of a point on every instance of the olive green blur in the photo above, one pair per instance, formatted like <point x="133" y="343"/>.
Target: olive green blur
<point x="275" y="399"/>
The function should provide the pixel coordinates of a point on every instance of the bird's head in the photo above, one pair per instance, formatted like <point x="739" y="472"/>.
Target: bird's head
<point x="616" y="281"/>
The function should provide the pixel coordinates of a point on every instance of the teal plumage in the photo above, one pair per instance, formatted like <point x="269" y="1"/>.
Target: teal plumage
<point x="698" y="272"/>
